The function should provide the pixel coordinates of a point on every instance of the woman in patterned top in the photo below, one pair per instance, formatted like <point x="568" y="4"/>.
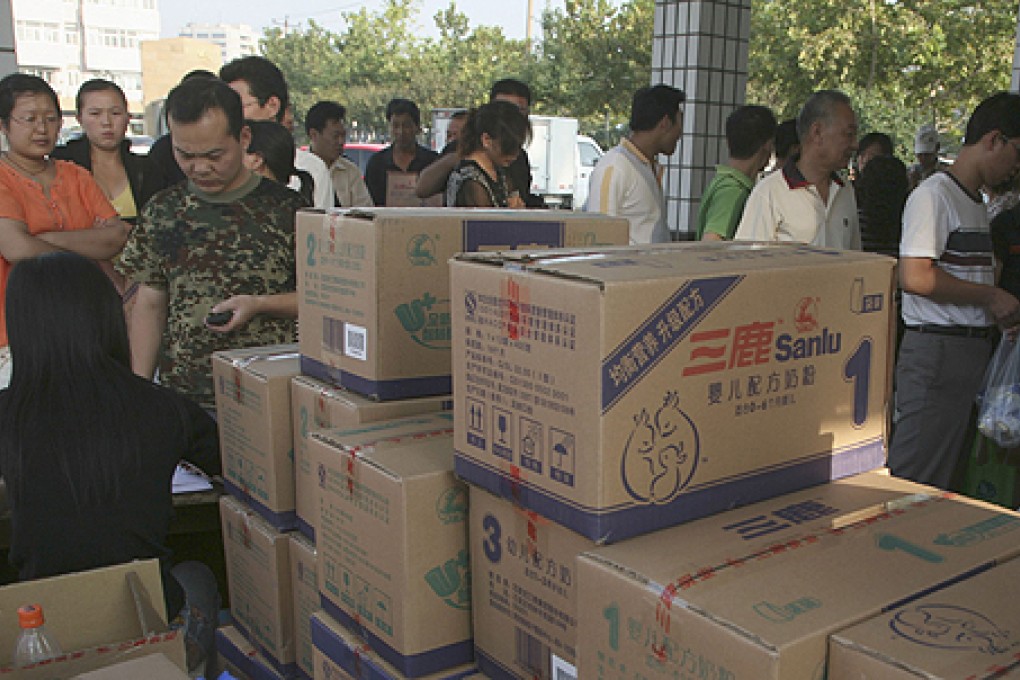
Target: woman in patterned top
<point x="490" y="141"/>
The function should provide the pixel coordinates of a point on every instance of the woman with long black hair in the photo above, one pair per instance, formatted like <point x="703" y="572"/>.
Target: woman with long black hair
<point x="87" y="448"/>
<point x="489" y="143"/>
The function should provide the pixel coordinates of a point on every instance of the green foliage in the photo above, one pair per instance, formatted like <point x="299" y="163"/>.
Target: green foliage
<point x="903" y="62"/>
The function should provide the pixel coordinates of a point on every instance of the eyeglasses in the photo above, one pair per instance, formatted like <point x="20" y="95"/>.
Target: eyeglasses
<point x="32" y="120"/>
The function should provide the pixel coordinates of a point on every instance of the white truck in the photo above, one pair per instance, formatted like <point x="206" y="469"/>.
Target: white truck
<point x="561" y="161"/>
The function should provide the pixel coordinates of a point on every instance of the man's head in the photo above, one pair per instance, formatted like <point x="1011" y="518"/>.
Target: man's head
<point x="873" y="145"/>
<point x="926" y="146"/>
<point x="827" y="127"/>
<point x="750" y="134"/>
<point x="787" y="141"/>
<point x="404" y="119"/>
<point x="327" y="130"/>
<point x="994" y="129"/>
<point x="261" y="85"/>
<point x="208" y="132"/>
<point x="655" y="114"/>
<point x="513" y="91"/>
<point x="455" y="126"/>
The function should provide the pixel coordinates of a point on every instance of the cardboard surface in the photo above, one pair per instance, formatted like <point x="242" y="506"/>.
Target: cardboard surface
<point x="969" y="630"/>
<point x="393" y="553"/>
<point x="618" y="391"/>
<point x="316" y="406"/>
<point x="341" y="654"/>
<point x="524" y="590"/>
<point x="124" y="623"/>
<point x="240" y="658"/>
<point x="152" y="667"/>
<point x="256" y="438"/>
<point x="258" y="578"/>
<point x="305" y="582"/>
<point x="694" y="597"/>
<point x="374" y="286"/>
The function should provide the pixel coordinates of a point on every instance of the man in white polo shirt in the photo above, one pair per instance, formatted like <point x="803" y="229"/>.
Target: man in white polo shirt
<point x="950" y="301"/>
<point x="807" y="200"/>
<point x="627" y="181"/>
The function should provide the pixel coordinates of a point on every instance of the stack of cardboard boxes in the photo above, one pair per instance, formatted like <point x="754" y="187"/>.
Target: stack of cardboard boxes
<point x="338" y="453"/>
<point x="629" y="421"/>
<point x="655" y="462"/>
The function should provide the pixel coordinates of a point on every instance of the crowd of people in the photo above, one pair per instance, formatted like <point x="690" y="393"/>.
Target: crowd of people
<point x="195" y="250"/>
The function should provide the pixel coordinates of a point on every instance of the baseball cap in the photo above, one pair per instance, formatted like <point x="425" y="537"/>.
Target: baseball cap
<point x="926" y="140"/>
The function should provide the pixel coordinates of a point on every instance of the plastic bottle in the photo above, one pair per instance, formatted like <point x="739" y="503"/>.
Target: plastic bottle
<point x="34" y="643"/>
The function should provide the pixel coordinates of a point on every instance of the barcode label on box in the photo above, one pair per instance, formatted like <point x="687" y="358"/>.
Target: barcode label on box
<point x="332" y="335"/>
<point x="356" y="342"/>
<point x="532" y="654"/>
<point x="561" y="670"/>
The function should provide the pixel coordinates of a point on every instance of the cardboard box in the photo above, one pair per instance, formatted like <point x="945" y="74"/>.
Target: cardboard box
<point x="258" y="580"/>
<point x="341" y="655"/>
<point x="304" y="581"/>
<point x="667" y="602"/>
<point x="374" y="288"/>
<point x="625" y="390"/>
<point x="318" y="406"/>
<point x="152" y="667"/>
<point x="393" y="553"/>
<point x="524" y="572"/>
<point x="240" y="658"/>
<point x="99" y="618"/>
<point x="256" y="438"/>
<point x="969" y="630"/>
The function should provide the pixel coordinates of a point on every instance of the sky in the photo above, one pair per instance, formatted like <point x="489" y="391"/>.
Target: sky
<point x="259" y="14"/>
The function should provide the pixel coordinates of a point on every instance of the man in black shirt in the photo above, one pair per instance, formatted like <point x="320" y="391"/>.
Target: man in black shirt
<point x="404" y="155"/>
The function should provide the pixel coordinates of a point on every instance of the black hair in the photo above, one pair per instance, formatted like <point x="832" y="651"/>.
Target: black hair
<point x="879" y="139"/>
<point x="68" y="394"/>
<point x="747" y="129"/>
<point x="198" y="73"/>
<point x="512" y="87"/>
<point x="193" y="98"/>
<point x="786" y="137"/>
<point x="651" y="104"/>
<point x="501" y="120"/>
<point x="882" y="192"/>
<point x="275" y="145"/>
<point x="321" y="113"/>
<point x="820" y="107"/>
<point x="398" y="107"/>
<point x="97" y="85"/>
<point x="999" y="112"/>
<point x="16" y="84"/>
<point x="457" y="115"/>
<point x="264" y="79"/>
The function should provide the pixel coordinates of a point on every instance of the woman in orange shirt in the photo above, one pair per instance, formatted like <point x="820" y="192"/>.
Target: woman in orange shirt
<point x="45" y="205"/>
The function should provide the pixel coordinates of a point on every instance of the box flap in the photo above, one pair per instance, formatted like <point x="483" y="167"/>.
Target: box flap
<point x="152" y="667"/>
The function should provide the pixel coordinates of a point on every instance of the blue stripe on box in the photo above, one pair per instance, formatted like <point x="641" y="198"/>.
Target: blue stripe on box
<point x="306" y="529"/>
<point x="610" y="525"/>
<point x="492" y="668"/>
<point x="281" y="521"/>
<point x="229" y="651"/>
<point x="383" y="390"/>
<point x="660" y="333"/>
<point x="411" y="665"/>
<point x="285" y="669"/>
<point x="512" y="235"/>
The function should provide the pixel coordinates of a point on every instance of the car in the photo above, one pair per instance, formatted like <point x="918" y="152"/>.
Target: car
<point x="360" y="152"/>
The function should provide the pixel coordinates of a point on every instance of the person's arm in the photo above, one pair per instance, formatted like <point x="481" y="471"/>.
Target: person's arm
<point x="360" y="198"/>
<point x="101" y="242"/>
<point x="203" y="445"/>
<point x="432" y="179"/>
<point x="920" y="276"/>
<point x="246" y="307"/>
<point x="145" y="329"/>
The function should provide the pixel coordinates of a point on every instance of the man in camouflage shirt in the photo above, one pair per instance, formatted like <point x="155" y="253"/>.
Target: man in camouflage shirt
<point x="221" y="242"/>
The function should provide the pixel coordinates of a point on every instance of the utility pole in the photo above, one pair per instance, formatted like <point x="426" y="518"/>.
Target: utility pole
<point x="531" y="22"/>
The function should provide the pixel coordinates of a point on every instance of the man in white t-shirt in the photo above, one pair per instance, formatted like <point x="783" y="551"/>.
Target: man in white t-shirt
<point x="951" y="304"/>
<point x="627" y="181"/>
<point x="808" y="200"/>
<point x="264" y="96"/>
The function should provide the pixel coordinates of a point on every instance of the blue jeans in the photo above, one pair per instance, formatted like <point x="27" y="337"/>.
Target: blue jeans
<point x="200" y="614"/>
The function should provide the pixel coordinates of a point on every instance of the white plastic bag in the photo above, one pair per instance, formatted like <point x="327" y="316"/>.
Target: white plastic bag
<point x="999" y="398"/>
